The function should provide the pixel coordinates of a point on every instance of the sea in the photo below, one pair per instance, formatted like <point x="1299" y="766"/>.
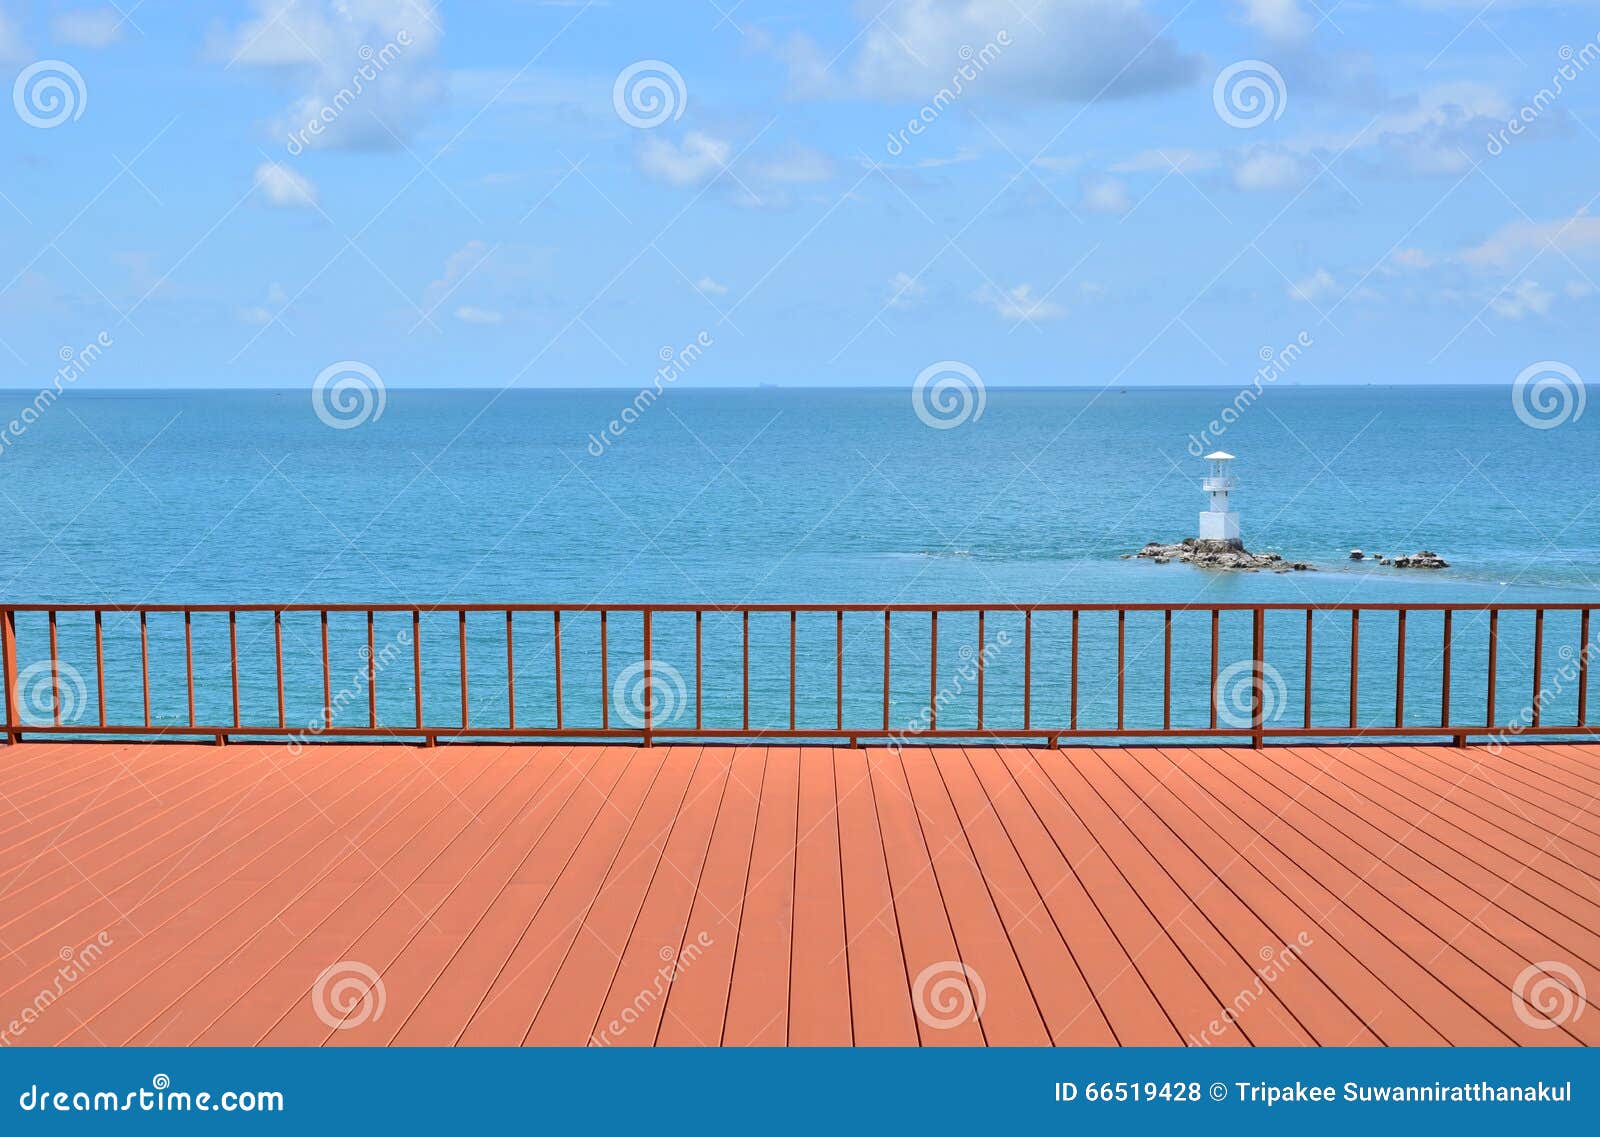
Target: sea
<point x="781" y="495"/>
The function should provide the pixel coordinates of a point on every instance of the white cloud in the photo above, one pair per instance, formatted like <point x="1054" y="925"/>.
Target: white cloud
<point x="361" y="70"/>
<point x="1103" y="194"/>
<point x="285" y="188"/>
<point x="1269" y="169"/>
<point x="1063" y="164"/>
<point x="1317" y="287"/>
<point x="797" y="165"/>
<point x="1412" y="258"/>
<point x="696" y="161"/>
<point x="1283" y="21"/>
<point x="458" y="266"/>
<point x="263" y="314"/>
<point x="1059" y="49"/>
<point x="1521" y="241"/>
<point x="1019" y="303"/>
<point x="1527" y="298"/>
<point x="1161" y="161"/>
<point x="88" y="27"/>
<point x="905" y="290"/>
<point x="13" y="48"/>
<point x="470" y="315"/>
<point x="711" y="287"/>
<point x="1578" y="289"/>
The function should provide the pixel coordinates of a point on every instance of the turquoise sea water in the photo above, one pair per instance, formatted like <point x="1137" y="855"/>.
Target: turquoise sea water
<point x="787" y="495"/>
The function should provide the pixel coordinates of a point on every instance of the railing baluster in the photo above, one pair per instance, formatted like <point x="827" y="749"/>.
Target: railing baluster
<point x="100" y="665"/>
<point x="1309" y="622"/>
<point x="1258" y="668"/>
<point x="232" y="656"/>
<point x="980" y="668"/>
<point x="1583" y="668"/>
<point x="933" y="670"/>
<point x="1166" y="671"/>
<point x="511" y="675"/>
<point x="747" y="669"/>
<point x="416" y="665"/>
<point x="649" y="684"/>
<point x="793" y="635"/>
<point x="144" y="663"/>
<point x="327" y="676"/>
<point x="372" y="672"/>
<point x="1073" y="716"/>
<point x="1355" y="663"/>
<point x="1122" y="662"/>
<point x="1216" y="647"/>
<point x="1400" y="670"/>
<point x="1538" y="663"/>
<point x="556" y="623"/>
<point x="886" y="670"/>
<point x="699" y="654"/>
<point x="188" y="660"/>
<point x="461" y="636"/>
<point x="55" y="672"/>
<point x="1494" y="652"/>
<point x="838" y="669"/>
<point x="1027" y="669"/>
<point x="1444" y="677"/>
<point x="8" y="675"/>
<point x="605" y="678"/>
<point x="277" y="654"/>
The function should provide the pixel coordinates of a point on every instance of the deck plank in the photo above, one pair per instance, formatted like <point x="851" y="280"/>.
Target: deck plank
<point x="801" y="895"/>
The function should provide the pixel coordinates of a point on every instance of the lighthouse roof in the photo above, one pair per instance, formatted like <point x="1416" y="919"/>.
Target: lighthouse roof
<point x="1218" y="456"/>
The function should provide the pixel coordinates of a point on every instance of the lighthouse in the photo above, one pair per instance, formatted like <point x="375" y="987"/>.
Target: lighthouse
<point x="1218" y="522"/>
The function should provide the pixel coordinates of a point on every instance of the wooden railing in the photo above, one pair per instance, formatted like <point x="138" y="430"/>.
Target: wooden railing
<point x="847" y="673"/>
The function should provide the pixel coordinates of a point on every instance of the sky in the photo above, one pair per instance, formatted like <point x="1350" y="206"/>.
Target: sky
<point x="556" y="194"/>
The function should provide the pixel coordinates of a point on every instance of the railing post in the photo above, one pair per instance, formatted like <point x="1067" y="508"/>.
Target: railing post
<point x="649" y="684"/>
<point x="8" y="668"/>
<point x="1258" y="671"/>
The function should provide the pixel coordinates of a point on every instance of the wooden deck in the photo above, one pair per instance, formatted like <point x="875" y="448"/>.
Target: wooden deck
<point x="688" y="895"/>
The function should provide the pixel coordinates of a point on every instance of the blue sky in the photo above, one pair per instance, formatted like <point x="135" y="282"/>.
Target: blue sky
<point x="1090" y="208"/>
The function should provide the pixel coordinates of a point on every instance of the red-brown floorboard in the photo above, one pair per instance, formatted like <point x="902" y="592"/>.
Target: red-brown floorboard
<point x="578" y="894"/>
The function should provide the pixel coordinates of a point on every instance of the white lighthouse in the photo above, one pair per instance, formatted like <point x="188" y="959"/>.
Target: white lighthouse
<point x="1218" y="522"/>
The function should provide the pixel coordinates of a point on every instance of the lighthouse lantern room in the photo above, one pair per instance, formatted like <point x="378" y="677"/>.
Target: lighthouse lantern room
<point x="1218" y="522"/>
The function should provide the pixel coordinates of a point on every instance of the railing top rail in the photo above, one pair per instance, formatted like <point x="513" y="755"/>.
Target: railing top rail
<point x="841" y="606"/>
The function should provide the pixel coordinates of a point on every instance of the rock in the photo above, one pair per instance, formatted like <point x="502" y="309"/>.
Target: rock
<point x="1357" y="555"/>
<point x="1423" y="559"/>
<point x="1229" y="554"/>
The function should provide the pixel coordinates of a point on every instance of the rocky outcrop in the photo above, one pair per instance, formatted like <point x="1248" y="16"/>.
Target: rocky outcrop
<point x="1231" y="555"/>
<point x="1423" y="559"/>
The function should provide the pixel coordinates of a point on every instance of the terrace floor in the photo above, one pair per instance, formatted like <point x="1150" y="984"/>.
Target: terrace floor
<point x="688" y="895"/>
